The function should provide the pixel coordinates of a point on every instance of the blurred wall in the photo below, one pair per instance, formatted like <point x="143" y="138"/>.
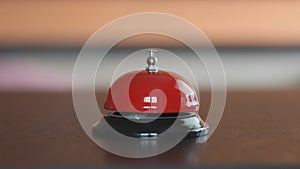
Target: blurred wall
<point x="238" y="23"/>
<point x="41" y="39"/>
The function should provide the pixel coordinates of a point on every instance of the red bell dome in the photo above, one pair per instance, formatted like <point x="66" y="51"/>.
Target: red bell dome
<point x="151" y="91"/>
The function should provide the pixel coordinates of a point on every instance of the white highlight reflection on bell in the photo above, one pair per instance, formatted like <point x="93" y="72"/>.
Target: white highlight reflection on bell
<point x="189" y="93"/>
<point x="150" y="107"/>
<point x="150" y="99"/>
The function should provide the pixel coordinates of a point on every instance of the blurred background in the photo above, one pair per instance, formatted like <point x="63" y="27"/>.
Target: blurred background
<point x="258" y="41"/>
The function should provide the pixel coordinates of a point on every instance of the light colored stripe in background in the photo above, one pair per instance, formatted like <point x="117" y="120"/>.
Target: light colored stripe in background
<point x="245" y="70"/>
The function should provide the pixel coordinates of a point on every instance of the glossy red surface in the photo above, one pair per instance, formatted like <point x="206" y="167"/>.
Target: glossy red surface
<point x="144" y="92"/>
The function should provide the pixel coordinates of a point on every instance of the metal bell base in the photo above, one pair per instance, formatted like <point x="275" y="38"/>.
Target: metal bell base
<point x="147" y="125"/>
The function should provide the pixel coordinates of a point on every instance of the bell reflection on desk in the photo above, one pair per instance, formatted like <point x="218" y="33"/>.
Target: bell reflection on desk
<point x="148" y="104"/>
<point x="186" y="152"/>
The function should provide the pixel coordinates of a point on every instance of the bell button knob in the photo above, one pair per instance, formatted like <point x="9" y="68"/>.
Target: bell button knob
<point x="152" y="61"/>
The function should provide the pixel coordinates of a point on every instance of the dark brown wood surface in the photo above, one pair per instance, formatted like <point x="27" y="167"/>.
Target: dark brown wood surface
<point x="257" y="128"/>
